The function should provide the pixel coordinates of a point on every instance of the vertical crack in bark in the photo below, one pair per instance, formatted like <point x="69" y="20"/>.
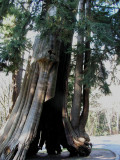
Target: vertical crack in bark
<point x="21" y="128"/>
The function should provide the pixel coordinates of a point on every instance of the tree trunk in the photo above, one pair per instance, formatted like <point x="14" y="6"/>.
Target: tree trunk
<point x="16" y="137"/>
<point x="77" y="99"/>
<point x="81" y="93"/>
<point x="52" y="134"/>
<point x="41" y="93"/>
<point x="86" y="88"/>
<point x="16" y="80"/>
<point x="117" y="122"/>
<point x="56" y="104"/>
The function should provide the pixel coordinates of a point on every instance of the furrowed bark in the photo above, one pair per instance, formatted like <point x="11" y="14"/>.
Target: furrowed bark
<point x="34" y="113"/>
<point x="16" y="80"/>
<point x="52" y="134"/>
<point x="84" y="115"/>
<point x="4" y="132"/>
<point x="42" y="92"/>
<point x="86" y="88"/>
<point x="36" y="88"/>
<point x="77" y="98"/>
<point x="76" y="137"/>
<point x="76" y="107"/>
<point x="25" y="111"/>
<point x="15" y="115"/>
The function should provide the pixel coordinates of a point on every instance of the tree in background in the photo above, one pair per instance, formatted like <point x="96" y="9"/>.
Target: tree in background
<point x="95" y="34"/>
<point x="4" y="7"/>
<point x="104" y="112"/>
<point x="5" y="98"/>
<point x="13" y="43"/>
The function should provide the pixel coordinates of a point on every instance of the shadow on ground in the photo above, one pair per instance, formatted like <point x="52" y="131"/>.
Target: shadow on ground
<point x="96" y="154"/>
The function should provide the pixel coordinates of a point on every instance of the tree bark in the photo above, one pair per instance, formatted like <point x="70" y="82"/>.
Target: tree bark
<point x="41" y="106"/>
<point x="16" y="137"/>
<point x="86" y="88"/>
<point x="16" y="80"/>
<point x="80" y="139"/>
<point x="77" y="99"/>
<point x="52" y="134"/>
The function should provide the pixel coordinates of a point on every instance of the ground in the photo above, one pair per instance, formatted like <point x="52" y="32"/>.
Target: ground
<point x="97" y="154"/>
<point x="108" y="142"/>
<point x="104" y="148"/>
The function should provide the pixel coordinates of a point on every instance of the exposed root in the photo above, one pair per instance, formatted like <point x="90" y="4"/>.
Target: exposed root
<point x="81" y="139"/>
<point x="81" y="147"/>
<point x="77" y="143"/>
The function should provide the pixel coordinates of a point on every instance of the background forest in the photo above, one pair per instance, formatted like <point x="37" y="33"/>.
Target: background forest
<point x="103" y="115"/>
<point x="104" y="110"/>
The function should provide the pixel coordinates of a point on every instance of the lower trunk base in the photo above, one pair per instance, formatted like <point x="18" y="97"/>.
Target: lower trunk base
<point x="53" y="133"/>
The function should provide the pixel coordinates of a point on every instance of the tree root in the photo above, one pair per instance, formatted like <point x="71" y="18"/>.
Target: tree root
<point x="80" y="148"/>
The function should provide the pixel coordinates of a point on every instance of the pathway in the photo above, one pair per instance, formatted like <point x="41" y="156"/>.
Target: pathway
<point x="108" y="142"/>
<point x="102" y="147"/>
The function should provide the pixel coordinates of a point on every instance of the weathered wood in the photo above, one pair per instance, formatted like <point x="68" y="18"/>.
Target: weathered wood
<point x="24" y="113"/>
<point x="44" y="88"/>
<point x="23" y="122"/>
<point x="77" y="98"/>
<point x="16" y="109"/>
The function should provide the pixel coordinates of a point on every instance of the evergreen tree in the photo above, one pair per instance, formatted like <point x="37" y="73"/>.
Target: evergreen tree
<point x="44" y="89"/>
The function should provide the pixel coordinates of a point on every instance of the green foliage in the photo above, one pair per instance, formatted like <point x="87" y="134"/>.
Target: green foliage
<point x="62" y="23"/>
<point x="103" y="23"/>
<point x="116" y="32"/>
<point x="4" y="7"/>
<point x="99" y="30"/>
<point x="13" y="32"/>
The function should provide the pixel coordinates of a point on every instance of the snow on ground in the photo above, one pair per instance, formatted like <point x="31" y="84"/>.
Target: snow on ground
<point x="107" y="142"/>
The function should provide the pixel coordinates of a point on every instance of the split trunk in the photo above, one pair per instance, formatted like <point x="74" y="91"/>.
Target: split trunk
<point x="40" y="108"/>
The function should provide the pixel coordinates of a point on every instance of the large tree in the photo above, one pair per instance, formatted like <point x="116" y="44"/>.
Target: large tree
<point x="13" y="43"/>
<point x="41" y="104"/>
